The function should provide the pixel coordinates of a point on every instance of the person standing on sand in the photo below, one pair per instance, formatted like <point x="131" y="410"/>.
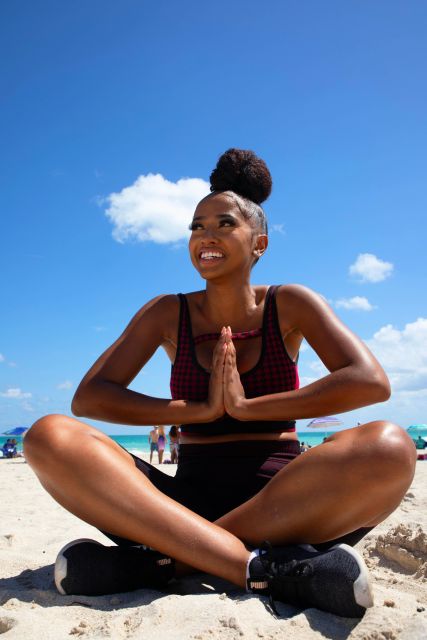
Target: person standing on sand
<point x="241" y="480"/>
<point x="161" y="442"/>
<point x="174" y="443"/>
<point x="153" y="438"/>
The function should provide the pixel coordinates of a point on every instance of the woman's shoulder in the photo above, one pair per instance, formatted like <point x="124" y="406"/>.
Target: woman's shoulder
<point x="296" y="300"/>
<point x="159" y="312"/>
<point x="298" y="293"/>
<point x="163" y="303"/>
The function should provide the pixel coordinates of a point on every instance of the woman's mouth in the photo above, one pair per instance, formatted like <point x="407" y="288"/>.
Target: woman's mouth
<point x="211" y="256"/>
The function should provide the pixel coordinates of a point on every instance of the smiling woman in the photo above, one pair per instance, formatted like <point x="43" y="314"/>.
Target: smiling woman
<point x="235" y="391"/>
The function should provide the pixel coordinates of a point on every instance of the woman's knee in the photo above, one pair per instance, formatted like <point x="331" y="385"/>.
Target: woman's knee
<point x="388" y="448"/>
<point x="46" y="435"/>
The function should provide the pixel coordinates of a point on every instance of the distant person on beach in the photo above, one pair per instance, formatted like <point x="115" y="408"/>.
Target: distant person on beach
<point x="161" y="442"/>
<point x="420" y="443"/>
<point x="174" y="443"/>
<point x="303" y="447"/>
<point x="9" y="448"/>
<point x="240" y="479"/>
<point x="153" y="437"/>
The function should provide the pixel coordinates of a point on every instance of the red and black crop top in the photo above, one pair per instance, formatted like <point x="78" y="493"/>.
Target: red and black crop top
<point x="274" y="372"/>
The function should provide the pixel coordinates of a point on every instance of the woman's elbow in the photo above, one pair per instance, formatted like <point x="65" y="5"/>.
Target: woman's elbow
<point x="76" y="406"/>
<point x="80" y="404"/>
<point x="380" y="387"/>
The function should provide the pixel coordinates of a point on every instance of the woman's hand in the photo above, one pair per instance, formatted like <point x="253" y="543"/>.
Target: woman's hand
<point x="234" y="394"/>
<point x="215" y="402"/>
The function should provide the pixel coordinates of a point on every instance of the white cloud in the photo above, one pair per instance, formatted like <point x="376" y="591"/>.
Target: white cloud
<point x="155" y="209"/>
<point x="16" y="394"/>
<point x="403" y="354"/>
<point x="369" y="268"/>
<point x="280" y="228"/>
<point x="358" y="303"/>
<point x="67" y="384"/>
<point x="8" y="362"/>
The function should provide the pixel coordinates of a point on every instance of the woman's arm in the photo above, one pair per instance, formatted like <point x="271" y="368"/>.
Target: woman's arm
<point x="103" y="392"/>
<point x="355" y="380"/>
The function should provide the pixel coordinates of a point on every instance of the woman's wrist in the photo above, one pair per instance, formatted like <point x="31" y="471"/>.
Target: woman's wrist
<point x="240" y="409"/>
<point x="209" y="413"/>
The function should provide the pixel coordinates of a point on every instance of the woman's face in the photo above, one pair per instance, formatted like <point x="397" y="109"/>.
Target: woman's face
<point x="222" y="240"/>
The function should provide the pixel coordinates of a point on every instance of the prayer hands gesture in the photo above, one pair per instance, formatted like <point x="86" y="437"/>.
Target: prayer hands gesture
<point x="226" y="393"/>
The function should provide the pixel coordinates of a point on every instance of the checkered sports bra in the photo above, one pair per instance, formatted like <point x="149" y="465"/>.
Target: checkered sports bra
<point x="274" y="372"/>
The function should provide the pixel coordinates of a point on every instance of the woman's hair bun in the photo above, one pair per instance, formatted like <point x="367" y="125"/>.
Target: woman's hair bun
<point x="243" y="173"/>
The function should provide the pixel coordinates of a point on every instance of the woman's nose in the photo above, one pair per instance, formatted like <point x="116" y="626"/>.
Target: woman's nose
<point x="210" y="233"/>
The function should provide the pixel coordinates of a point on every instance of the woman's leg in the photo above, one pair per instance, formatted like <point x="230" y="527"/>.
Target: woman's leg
<point x="355" y="479"/>
<point x="96" y="480"/>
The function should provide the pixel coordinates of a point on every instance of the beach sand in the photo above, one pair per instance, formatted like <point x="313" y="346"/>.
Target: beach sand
<point x="33" y="528"/>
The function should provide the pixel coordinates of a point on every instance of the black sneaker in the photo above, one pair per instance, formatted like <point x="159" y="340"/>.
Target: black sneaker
<point x="335" y="580"/>
<point x="86" y="567"/>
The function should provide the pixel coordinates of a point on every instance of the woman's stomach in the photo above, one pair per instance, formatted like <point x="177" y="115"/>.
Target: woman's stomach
<point x="235" y="437"/>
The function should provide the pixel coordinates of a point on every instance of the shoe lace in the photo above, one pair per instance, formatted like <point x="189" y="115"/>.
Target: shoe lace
<point x="296" y="572"/>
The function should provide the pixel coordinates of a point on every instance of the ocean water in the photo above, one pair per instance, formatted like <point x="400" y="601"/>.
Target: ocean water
<point x="138" y="443"/>
<point x="135" y="443"/>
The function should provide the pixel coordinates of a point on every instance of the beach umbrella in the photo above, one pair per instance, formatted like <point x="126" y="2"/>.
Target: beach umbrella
<point x="16" y="431"/>
<point x="325" y="422"/>
<point x="416" y="429"/>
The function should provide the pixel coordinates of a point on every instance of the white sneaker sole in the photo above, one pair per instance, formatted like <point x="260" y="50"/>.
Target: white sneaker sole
<point x="362" y="586"/>
<point x="60" y="571"/>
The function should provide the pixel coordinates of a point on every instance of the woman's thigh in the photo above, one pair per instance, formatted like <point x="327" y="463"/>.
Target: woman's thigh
<point x="212" y="480"/>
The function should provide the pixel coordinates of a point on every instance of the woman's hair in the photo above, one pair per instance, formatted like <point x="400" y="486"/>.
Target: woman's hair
<point x="173" y="431"/>
<point x="248" y="177"/>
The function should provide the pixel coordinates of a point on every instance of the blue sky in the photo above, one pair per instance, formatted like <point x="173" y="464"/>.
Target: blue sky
<point x="97" y="96"/>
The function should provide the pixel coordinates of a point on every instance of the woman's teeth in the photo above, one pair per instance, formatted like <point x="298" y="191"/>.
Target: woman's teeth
<point x="210" y="255"/>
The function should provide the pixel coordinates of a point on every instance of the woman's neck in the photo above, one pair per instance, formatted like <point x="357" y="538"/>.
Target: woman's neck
<point x="229" y="303"/>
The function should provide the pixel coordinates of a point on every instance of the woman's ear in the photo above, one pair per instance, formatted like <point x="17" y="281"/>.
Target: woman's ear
<point x="260" y="245"/>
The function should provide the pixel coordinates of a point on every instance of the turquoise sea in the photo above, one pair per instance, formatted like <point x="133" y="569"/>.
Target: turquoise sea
<point x="139" y="443"/>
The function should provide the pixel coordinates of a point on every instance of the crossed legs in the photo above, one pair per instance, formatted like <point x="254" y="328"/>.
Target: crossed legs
<point x="355" y="479"/>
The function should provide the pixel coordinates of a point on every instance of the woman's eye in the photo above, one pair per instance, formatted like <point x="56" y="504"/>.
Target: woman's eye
<point x="196" y="226"/>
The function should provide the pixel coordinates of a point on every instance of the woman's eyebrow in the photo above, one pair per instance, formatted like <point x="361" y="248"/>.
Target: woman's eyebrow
<point x="217" y="215"/>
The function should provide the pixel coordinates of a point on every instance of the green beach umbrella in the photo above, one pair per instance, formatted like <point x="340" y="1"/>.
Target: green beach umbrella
<point x="416" y="427"/>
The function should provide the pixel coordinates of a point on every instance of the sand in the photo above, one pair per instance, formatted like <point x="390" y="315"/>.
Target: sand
<point x="33" y="528"/>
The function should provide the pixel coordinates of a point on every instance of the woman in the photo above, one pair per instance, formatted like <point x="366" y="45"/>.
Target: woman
<point x="161" y="443"/>
<point x="240" y="479"/>
<point x="174" y="443"/>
